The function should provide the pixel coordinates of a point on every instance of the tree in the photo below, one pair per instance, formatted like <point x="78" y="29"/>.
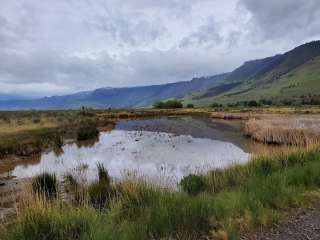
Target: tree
<point x="253" y="103"/>
<point x="158" y="104"/>
<point x="190" y="105"/>
<point x="170" y="104"/>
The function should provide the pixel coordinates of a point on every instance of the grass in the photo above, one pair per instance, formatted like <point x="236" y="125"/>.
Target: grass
<point x="299" y="131"/>
<point x="27" y="133"/>
<point x="45" y="185"/>
<point x="303" y="80"/>
<point x="227" y="203"/>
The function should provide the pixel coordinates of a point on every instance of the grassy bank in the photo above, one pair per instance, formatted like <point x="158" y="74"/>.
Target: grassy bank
<point x="220" y="205"/>
<point x="297" y="131"/>
<point x="30" y="132"/>
<point x="26" y="133"/>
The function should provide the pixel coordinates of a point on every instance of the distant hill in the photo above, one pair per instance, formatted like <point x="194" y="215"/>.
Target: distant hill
<point x="292" y="77"/>
<point x="117" y="97"/>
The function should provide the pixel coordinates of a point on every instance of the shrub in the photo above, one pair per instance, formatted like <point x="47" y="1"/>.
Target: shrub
<point x="193" y="184"/>
<point x="190" y="105"/>
<point x="36" y="120"/>
<point x="253" y="103"/>
<point x="45" y="184"/>
<point x="170" y="104"/>
<point x="87" y="131"/>
<point x="159" y="105"/>
<point x="216" y="105"/>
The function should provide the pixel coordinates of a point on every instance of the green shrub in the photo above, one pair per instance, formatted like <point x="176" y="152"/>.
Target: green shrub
<point x="193" y="184"/>
<point x="87" y="130"/>
<point x="170" y="104"/>
<point x="190" y="105"/>
<point x="216" y="105"/>
<point x="45" y="184"/>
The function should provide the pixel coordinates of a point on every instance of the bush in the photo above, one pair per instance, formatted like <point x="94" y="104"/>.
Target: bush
<point x="170" y="104"/>
<point x="36" y="120"/>
<point x="193" y="184"/>
<point x="253" y="103"/>
<point x="87" y="131"/>
<point x="159" y="105"/>
<point x="216" y="105"/>
<point x="45" y="184"/>
<point x="190" y="105"/>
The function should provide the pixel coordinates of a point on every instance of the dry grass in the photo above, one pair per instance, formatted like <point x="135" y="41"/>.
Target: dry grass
<point x="298" y="131"/>
<point x="20" y="125"/>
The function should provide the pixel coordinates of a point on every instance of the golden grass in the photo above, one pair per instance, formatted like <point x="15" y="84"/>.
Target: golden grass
<point x="16" y="126"/>
<point x="298" y="131"/>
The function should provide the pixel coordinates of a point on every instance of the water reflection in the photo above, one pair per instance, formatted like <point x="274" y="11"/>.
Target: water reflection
<point x="163" y="158"/>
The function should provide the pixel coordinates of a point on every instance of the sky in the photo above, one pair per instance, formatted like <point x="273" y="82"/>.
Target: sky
<point x="55" y="47"/>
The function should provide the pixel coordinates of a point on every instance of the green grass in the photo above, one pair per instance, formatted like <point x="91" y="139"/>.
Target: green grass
<point x="45" y="184"/>
<point x="233" y="201"/>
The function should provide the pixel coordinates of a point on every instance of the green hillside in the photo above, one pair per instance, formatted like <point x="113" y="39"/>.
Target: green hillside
<point x="293" y="77"/>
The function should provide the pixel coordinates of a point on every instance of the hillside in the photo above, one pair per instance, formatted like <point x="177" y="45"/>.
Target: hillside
<point x="292" y="77"/>
<point x="117" y="97"/>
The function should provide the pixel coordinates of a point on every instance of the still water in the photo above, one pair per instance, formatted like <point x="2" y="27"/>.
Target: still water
<point x="161" y="150"/>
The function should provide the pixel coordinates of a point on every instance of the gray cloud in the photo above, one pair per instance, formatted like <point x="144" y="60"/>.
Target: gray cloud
<point x="206" y="35"/>
<point x="285" y="19"/>
<point x="57" y="46"/>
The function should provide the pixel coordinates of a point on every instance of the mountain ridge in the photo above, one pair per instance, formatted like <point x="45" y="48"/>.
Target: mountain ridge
<point x="285" y="76"/>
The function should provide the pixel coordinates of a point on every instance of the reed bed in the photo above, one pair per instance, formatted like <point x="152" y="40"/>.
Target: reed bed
<point x="298" y="131"/>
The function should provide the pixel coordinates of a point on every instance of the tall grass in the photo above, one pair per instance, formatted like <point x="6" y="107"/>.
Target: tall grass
<point x="226" y="203"/>
<point x="284" y="130"/>
<point x="45" y="185"/>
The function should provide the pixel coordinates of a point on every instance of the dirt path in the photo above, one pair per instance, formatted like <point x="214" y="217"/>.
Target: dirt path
<point x="304" y="225"/>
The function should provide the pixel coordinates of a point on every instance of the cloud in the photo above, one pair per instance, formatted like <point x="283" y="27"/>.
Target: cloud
<point x="285" y="19"/>
<point x="206" y="35"/>
<point x="57" y="46"/>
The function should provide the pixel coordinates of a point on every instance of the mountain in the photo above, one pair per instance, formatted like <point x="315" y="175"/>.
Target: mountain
<point x="117" y="97"/>
<point x="292" y="77"/>
<point x="285" y="77"/>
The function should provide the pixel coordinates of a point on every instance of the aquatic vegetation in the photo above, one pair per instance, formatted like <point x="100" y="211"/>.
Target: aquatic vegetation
<point x="103" y="174"/>
<point x="46" y="185"/>
<point x="87" y="130"/>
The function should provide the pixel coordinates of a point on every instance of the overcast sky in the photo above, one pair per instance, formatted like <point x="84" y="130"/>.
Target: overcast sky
<point x="63" y="46"/>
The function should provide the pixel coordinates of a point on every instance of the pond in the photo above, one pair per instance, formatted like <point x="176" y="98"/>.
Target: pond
<point x="161" y="150"/>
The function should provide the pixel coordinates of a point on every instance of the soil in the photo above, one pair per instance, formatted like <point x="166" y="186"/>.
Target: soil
<point x="10" y="194"/>
<point x="304" y="224"/>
